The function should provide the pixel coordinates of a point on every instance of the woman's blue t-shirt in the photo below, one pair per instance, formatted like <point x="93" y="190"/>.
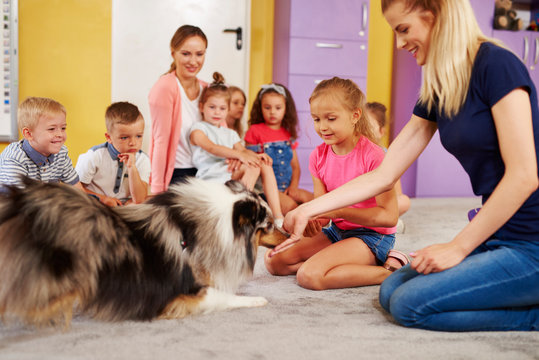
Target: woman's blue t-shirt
<point x="471" y="135"/>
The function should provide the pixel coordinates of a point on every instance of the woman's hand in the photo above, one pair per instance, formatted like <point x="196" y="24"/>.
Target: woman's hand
<point x="438" y="257"/>
<point x="295" y="222"/>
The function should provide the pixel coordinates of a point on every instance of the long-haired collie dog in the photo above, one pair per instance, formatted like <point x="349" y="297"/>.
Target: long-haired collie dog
<point x="184" y="251"/>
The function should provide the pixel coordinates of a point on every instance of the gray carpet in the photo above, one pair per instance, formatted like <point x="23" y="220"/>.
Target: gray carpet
<point x="296" y="324"/>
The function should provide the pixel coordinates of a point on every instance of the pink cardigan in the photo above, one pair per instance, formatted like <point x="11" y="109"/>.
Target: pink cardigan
<point x="165" y="111"/>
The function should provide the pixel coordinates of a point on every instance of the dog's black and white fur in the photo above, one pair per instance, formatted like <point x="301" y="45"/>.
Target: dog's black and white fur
<point x="184" y="251"/>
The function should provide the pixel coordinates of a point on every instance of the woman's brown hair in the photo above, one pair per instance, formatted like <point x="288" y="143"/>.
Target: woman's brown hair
<point x="183" y="33"/>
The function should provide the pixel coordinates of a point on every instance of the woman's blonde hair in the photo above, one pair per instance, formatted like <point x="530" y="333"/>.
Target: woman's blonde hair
<point x="350" y="97"/>
<point x="454" y="40"/>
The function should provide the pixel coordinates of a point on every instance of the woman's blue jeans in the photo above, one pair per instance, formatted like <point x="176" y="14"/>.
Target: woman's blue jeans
<point x="494" y="288"/>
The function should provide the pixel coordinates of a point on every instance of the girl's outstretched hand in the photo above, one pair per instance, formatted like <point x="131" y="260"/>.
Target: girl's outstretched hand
<point x="295" y="222"/>
<point x="438" y="257"/>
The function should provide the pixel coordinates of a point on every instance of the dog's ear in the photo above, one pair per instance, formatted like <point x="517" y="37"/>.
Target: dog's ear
<point x="247" y="213"/>
<point x="235" y="186"/>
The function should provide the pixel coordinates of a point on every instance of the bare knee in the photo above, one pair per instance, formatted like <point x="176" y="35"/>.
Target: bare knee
<point x="310" y="278"/>
<point x="404" y="203"/>
<point x="275" y="265"/>
<point x="287" y="203"/>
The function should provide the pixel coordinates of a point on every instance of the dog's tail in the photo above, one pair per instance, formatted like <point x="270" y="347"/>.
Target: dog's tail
<point x="53" y="239"/>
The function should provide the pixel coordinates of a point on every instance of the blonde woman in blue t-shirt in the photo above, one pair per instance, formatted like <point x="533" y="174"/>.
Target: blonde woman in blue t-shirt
<point x="480" y="97"/>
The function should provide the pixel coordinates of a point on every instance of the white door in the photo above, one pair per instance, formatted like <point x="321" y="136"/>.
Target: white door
<point x="141" y="33"/>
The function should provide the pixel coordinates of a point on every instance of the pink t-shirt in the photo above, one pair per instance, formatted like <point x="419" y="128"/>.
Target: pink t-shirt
<point x="262" y="133"/>
<point x="335" y="170"/>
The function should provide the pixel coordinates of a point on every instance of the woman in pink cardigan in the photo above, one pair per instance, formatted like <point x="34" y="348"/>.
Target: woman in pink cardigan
<point x="174" y="108"/>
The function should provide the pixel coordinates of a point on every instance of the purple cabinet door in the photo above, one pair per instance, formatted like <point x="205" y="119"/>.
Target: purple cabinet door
<point x="326" y="19"/>
<point x="312" y="57"/>
<point x="484" y="13"/>
<point x="308" y="139"/>
<point x="525" y="44"/>
<point x="439" y="174"/>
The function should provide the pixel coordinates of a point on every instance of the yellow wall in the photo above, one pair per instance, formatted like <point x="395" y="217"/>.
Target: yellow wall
<point x="65" y="54"/>
<point x="380" y="60"/>
<point x="261" y="58"/>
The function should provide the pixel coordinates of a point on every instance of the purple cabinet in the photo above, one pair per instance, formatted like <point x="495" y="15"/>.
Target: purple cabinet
<point x="316" y="40"/>
<point x="323" y="19"/>
<point x="525" y="44"/>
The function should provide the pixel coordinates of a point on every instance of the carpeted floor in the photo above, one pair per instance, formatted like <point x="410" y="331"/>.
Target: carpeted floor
<point x="296" y="324"/>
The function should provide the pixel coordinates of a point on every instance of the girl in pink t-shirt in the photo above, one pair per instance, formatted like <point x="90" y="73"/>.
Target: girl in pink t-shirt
<point x="355" y="249"/>
<point x="272" y="130"/>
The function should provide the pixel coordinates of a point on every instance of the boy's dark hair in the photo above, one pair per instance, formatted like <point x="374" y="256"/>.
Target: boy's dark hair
<point x="121" y="113"/>
<point x="290" y="119"/>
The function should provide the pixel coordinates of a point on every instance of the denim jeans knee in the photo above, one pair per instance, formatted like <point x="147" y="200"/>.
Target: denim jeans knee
<point x="495" y="288"/>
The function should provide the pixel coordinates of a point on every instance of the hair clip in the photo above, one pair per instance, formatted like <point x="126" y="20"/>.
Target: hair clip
<point x="277" y="88"/>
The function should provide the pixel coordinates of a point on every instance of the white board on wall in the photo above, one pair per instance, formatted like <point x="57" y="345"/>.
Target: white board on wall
<point x="10" y="71"/>
<point x="141" y="33"/>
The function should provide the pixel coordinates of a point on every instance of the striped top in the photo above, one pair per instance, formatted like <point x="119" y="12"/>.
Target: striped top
<point x="19" y="158"/>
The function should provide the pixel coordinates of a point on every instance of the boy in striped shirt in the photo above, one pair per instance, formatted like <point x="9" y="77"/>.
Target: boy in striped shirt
<point x="41" y="154"/>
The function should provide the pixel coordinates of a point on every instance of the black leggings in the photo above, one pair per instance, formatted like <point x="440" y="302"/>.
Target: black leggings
<point x="180" y="175"/>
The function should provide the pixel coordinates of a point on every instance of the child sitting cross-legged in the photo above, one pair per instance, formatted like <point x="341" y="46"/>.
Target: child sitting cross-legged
<point x="117" y="171"/>
<point x="212" y="144"/>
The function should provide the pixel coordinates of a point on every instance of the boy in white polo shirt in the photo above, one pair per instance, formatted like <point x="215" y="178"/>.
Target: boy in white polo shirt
<point x="117" y="172"/>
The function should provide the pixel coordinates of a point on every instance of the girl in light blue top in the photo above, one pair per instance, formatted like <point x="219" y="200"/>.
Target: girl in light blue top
<point x="213" y="143"/>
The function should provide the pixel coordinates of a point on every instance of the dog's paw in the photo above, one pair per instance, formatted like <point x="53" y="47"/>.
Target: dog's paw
<point x="256" y="301"/>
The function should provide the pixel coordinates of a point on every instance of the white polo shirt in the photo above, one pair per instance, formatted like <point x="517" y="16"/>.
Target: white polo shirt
<point x="102" y="173"/>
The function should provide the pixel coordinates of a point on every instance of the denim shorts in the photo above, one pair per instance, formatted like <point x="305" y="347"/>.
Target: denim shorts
<point x="281" y="154"/>
<point x="380" y="244"/>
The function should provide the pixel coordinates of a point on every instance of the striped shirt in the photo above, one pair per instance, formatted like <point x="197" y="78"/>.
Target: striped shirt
<point x="19" y="158"/>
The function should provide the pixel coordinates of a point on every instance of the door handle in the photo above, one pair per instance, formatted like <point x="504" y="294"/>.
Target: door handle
<point x="536" y="51"/>
<point x="328" y="45"/>
<point x="239" y="36"/>
<point x="526" y="49"/>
